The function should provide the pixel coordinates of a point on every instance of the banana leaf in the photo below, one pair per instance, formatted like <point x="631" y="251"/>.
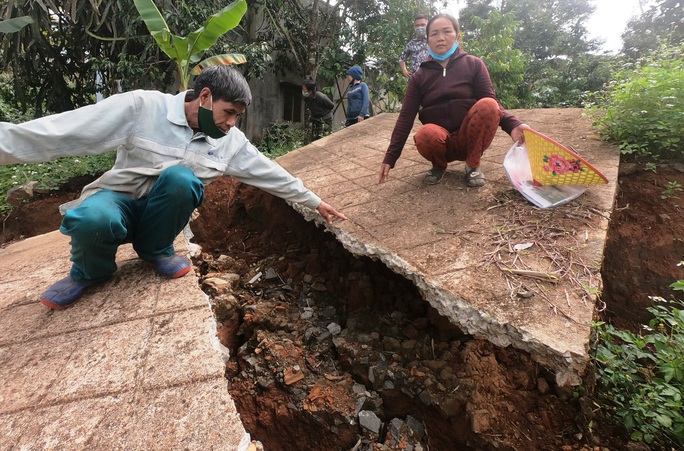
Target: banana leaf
<point x="185" y="51"/>
<point x="216" y="26"/>
<point x="15" y="24"/>
<point x="227" y="59"/>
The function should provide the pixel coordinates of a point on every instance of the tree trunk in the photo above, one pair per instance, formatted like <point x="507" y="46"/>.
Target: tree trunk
<point x="312" y="50"/>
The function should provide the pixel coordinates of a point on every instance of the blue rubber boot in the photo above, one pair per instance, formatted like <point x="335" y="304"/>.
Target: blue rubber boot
<point x="65" y="292"/>
<point x="173" y="266"/>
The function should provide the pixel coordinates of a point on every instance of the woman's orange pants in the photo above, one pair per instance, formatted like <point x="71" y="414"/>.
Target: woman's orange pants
<point x="467" y="144"/>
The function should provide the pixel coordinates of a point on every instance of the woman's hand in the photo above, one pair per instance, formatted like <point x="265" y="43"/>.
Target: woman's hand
<point x="327" y="211"/>
<point x="383" y="173"/>
<point x="518" y="135"/>
<point x="360" y="118"/>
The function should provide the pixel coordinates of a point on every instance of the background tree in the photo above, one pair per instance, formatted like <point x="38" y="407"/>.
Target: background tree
<point x="661" y="23"/>
<point x="295" y="31"/>
<point x="562" y="67"/>
<point x="56" y="59"/>
<point x="74" y="49"/>
<point x="187" y="52"/>
<point x="322" y="39"/>
<point x="492" y="40"/>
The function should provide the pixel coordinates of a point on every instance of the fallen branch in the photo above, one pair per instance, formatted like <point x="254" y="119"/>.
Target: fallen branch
<point x="533" y="274"/>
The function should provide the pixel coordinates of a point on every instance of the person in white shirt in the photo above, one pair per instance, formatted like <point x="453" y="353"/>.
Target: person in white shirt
<point x="168" y="148"/>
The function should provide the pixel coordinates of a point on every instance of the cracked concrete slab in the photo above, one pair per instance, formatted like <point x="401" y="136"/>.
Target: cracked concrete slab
<point x="457" y="244"/>
<point x="130" y="366"/>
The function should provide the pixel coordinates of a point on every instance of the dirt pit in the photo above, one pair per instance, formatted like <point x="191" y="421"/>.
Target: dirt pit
<point x="333" y="352"/>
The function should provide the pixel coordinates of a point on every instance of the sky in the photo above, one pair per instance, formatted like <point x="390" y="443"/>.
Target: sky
<point x="607" y="23"/>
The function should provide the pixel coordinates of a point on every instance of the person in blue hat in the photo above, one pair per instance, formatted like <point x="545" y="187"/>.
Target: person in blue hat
<point x="358" y="98"/>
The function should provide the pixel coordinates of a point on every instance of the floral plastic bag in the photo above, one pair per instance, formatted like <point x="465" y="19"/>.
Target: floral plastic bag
<point x="517" y="167"/>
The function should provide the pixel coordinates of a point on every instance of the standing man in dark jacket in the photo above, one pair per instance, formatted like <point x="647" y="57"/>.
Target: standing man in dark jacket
<point x="320" y="107"/>
<point x="455" y="101"/>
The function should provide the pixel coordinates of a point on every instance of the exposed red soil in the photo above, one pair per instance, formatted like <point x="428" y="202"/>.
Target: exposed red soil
<point x="645" y="243"/>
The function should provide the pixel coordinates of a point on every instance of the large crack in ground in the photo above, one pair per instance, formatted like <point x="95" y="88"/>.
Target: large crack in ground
<point x="335" y="352"/>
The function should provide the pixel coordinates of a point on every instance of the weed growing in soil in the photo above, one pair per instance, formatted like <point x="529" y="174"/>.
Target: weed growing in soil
<point x="641" y="377"/>
<point x="671" y="190"/>
<point x="51" y="175"/>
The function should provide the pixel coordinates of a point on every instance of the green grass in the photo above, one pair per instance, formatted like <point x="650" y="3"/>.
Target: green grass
<point x="51" y="175"/>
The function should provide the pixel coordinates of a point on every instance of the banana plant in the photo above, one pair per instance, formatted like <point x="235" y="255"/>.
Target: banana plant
<point x="187" y="51"/>
<point x="15" y="24"/>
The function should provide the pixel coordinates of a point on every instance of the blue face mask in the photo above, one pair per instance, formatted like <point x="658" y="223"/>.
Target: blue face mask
<point x="443" y="56"/>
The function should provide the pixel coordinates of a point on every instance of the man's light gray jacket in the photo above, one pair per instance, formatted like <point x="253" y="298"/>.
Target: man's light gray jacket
<point x="150" y="133"/>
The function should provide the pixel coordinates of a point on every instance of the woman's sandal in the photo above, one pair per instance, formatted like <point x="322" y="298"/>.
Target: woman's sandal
<point x="475" y="178"/>
<point x="434" y="176"/>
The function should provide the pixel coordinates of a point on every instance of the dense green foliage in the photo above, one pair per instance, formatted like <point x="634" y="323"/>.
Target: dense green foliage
<point x="54" y="60"/>
<point x="187" y="52"/>
<point x="74" y="49"/>
<point x="560" y="66"/>
<point x="644" y="107"/>
<point x="640" y="377"/>
<point x="492" y="40"/>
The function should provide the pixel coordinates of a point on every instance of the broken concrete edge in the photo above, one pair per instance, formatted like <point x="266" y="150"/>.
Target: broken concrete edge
<point x="224" y="353"/>
<point x="568" y="366"/>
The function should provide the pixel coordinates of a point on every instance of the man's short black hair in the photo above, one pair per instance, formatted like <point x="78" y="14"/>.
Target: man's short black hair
<point x="310" y="85"/>
<point x="225" y="83"/>
<point x="420" y="16"/>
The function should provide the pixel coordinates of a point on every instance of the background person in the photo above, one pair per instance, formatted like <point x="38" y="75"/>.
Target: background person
<point x="168" y="148"/>
<point x="458" y="108"/>
<point x="416" y="51"/>
<point x="358" y="98"/>
<point x="320" y="107"/>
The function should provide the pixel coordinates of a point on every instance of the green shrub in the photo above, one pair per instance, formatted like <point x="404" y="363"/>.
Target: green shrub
<point x="281" y="138"/>
<point x="51" y="175"/>
<point x="644" y="108"/>
<point x="640" y="378"/>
